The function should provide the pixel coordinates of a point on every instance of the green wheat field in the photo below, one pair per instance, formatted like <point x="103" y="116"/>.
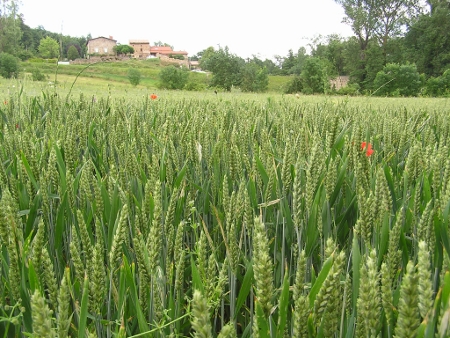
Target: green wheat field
<point x="229" y="215"/>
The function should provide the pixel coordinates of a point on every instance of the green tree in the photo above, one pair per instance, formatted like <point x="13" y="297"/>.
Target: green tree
<point x="134" y="76"/>
<point x="123" y="50"/>
<point x="10" y="32"/>
<point x="72" y="53"/>
<point x="428" y="42"/>
<point x="254" y="78"/>
<point x="9" y="66"/>
<point x="49" y="48"/>
<point x="376" y="20"/>
<point x="332" y="49"/>
<point x="172" y="77"/>
<point x="162" y="44"/>
<point x="225" y="67"/>
<point x="204" y="57"/>
<point x="398" y="80"/>
<point x="314" y="76"/>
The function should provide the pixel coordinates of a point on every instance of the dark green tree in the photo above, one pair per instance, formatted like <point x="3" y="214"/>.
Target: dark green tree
<point x="376" y="22"/>
<point x="314" y="76"/>
<point x="225" y="67"/>
<point x="254" y="78"/>
<point x="288" y="63"/>
<point x="9" y="66"/>
<point x="428" y="42"/>
<point x="204" y="57"/>
<point x="172" y="77"/>
<point x="331" y="49"/>
<point x="72" y="53"/>
<point x="134" y="76"/>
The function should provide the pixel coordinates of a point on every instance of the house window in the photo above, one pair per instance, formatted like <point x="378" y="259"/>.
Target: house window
<point x="105" y="50"/>
<point x="96" y="50"/>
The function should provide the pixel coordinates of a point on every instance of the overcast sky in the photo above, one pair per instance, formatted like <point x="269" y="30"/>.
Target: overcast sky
<point x="247" y="27"/>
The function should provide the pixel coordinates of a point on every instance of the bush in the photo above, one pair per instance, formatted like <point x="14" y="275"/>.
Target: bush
<point x="294" y="86"/>
<point x="41" y="60"/>
<point x="352" y="89"/>
<point x="194" y="86"/>
<point x="9" y="66"/>
<point x="438" y="86"/>
<point x="172" y="77"/>
<point x="24" y="55"/>
<point x="37" y="75"/>
<point x="398" y="80"/>
<point x="134" y="76"/>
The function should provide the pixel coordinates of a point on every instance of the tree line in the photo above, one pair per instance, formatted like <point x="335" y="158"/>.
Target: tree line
<point x="399" y="48"/>
<point x="22" y="41"/>
<point x="395" y="43"/>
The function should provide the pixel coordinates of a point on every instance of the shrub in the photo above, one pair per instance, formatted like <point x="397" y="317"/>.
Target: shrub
<point x="172" y="77"/>
<point x="134" y="76"/>
<point x="294" y="86"/>
<point x="37" y="75"/>
<point x="9" y="66"/>
<point x="194" y="86"/>
<point x="398" y="80"/>
<point x="438" y="86"/>
<point x="24" y="55"/>
<point x="352" y="89"/>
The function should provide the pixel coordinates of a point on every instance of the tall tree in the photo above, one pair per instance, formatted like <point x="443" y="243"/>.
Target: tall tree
<point x="10" y="33"/>
<point x="393" y="16"/>
<point x="376" y="22"/>
<point x="225" y="67"/>
<point x="49" y="48"/>
<point x="428" y="41"/>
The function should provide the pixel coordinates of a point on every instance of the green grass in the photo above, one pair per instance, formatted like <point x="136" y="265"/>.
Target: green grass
<point x="116" y="72"/>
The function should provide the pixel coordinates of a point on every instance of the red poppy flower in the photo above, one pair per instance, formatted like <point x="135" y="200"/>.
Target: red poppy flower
<point x="153" y="96"/>
<point x="17" y="126"/>
<point x="5" y="102"/>
<point x="369" y="150"/>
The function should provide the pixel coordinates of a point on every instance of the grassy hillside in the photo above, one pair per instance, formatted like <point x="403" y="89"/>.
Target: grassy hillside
<point x="115" y="73"/>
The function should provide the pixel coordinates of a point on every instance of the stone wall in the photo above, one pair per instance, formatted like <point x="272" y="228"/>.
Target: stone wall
<point x="94" y="59"/>
<point x="167" y="61"/>
<point x="339" y="82"/>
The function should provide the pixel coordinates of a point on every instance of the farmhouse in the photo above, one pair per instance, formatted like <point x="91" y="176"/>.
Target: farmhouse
<point x="141" y="48"/>
<point x="101" y="46"/>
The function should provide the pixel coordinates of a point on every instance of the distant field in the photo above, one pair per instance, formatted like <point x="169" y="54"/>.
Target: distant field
<point x="115" y="73"/>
